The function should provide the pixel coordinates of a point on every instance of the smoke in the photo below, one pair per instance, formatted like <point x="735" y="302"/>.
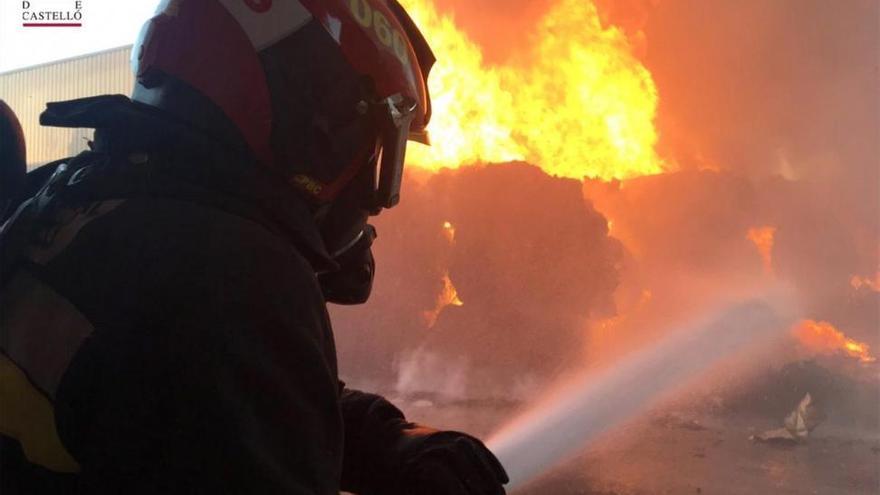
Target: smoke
<point x="770" y="109"/>
<point x="530" y="261"/>
<point x="786" y="87"/>
<point x="423" y="371"/>
<point x="694" y="243"/>
<point x="771" y="114"/>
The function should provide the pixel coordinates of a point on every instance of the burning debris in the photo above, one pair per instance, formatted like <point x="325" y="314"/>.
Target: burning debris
<point x="821" y="337"/>
<point x="448" y="294"/>
<point x="448" y="297"/>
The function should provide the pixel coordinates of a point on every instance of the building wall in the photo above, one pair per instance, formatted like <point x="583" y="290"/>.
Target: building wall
<point x="26" y="91"/>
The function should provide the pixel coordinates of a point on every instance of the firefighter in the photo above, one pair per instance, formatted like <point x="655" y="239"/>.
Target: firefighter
<point x="163" y="322"/>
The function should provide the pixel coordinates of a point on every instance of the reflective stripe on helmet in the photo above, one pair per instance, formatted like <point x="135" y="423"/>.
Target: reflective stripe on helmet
<point x="268" y="21"/>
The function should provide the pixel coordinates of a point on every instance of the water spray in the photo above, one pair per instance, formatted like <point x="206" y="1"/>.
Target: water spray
<point x="555" y="431"/>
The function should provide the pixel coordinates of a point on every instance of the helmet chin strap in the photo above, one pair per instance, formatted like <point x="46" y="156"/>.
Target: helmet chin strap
<point x="353" y="282"/>
<point x="348" y="238"/>
<point x="341" y="251"/>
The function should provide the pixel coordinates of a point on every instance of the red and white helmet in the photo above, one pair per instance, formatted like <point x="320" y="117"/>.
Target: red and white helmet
<point x="230" y="50"/>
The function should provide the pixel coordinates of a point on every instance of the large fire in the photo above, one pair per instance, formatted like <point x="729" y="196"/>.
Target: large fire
<point x="821" y="337"/>
<point x="577" y="102"/>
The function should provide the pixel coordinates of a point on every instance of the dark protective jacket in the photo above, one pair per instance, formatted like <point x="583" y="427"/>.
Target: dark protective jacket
<point x="162" y="329"/>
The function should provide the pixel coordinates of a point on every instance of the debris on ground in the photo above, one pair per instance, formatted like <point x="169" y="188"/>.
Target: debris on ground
<point x="797" y="425"/>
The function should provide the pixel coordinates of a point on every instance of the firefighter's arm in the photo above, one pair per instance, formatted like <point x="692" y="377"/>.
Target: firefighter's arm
<point x="386" y="454"/>
<point x="277" y="383"/>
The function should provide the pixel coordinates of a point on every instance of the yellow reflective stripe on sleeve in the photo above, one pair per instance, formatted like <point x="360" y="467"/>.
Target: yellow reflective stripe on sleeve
<point x="27" y="416"/>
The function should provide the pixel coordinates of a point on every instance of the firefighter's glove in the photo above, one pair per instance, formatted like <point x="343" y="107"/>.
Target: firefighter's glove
<point x="447" y="463"/>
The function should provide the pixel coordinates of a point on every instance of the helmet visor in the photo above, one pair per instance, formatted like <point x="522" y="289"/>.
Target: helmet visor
<point x="395" y="116"/>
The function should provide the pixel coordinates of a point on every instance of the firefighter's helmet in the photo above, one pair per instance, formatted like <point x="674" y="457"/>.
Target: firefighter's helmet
<point x="318" y="89"/>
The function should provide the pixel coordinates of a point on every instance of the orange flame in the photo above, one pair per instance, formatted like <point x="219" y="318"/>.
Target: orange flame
<point x="449" y="232"/>
<point x="859" y="283"/>
<point x="764" y="238"/>
<point x="577" y="101"/>
<point x="821" y="337"/>
<point x="448" y="297"/>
